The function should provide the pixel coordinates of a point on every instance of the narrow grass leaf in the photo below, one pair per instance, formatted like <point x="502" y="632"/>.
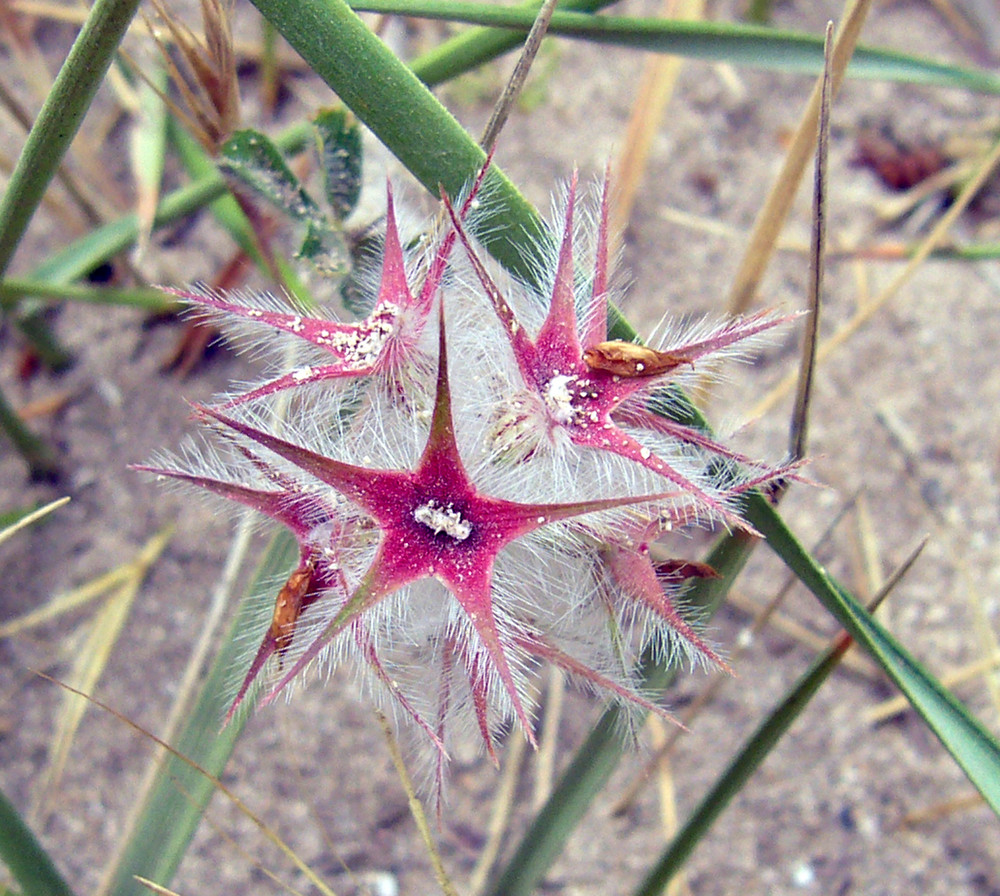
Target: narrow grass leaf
<point x="772" y="215"/>
<point x="64" y="603"/>
<point x="416" y="807"/>
<point x="92" y="659"/>
<point x="215" y="782"/>
<point x="29" y="864"/>
<point x="35" y="451"/>
<point x="144" y="298"/>
<point x="740" y="44"/>
<point x="744" y="763"/>
<point x="155" y="888"/>
<point x="756" y="749"/>
<point x="147" y="148"/>
<point x="973" y="747"/>
<point x="60" y="118"/>
<point x="13" y="522"/>
<point x="175" y="804"/>
<point x="474" y="47"/>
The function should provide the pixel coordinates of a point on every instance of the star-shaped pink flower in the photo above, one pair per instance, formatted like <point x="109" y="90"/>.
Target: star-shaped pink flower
<point x="321" y="531"/>
<point x="587" y="387"/>
<point x="385" y="344"/>
<point x="435" y="523"/>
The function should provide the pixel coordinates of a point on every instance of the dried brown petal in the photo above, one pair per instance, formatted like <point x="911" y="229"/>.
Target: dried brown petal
<point x="630" y="360"/>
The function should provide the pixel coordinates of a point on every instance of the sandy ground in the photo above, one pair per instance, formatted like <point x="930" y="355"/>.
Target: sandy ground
<point x="904" y="417"/>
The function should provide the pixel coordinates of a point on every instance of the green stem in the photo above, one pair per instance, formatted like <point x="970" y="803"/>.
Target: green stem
<point x="12" y="290"/>
<point x="41" y="462"/>
<point x="400" y="110"/>
<point x="60" y="118"/>
<point x="749" y="45"/>
<point x="749" y="758"/>
<point x="472" y="48"/>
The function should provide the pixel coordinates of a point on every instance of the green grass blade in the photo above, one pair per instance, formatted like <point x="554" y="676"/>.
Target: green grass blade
<point x="13" y="521"/>
<point x="12" y="290"/>
<point x="468" y="50"/>
<point x="30" y="865"/>
<point x="744" y="763"/>
<point x="60" y="118"/>
<point x="175" y="804"/>
<point x="975" y="750"/>
<point x="599" y="755"/>
<point x="740" y="44"/>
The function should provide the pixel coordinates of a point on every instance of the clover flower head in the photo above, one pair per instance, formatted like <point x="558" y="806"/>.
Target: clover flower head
<point x="499" y="519"/>
<point x="575" y="387"/>
<point x="387" y="344"/>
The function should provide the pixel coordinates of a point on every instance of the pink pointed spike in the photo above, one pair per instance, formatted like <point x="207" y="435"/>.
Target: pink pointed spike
<point x="641" y="418"/>
<point x="282" y="505"/>
<point x="730" y="332"/>
<point x="559" y="331"/>
<point x="437" y="268"/>
<point x="633" y="570"/>
<point x="369" y="592"/>
<point x="301" y="590"/>
<point x="617" y="441"/>
<point x="364" y="641"/>
<point x="595" y="327"/>
<point x="393" y="287"/>
<point x="524" y="350"/>
<point x="480" y="702"/>
<point x="480" y="610"/>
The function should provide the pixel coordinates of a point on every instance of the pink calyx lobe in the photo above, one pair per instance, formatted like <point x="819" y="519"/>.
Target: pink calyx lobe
<point x="316" y="575"/>
<point x="434" y="523"/>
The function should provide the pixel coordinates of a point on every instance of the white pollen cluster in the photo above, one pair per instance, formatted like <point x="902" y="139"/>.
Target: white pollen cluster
<point x="363" y="346"/>
<point x="559" y="398"/>
<point x="443" y="519"/>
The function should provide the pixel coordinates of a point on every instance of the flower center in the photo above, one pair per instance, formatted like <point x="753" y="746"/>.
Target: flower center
<point x="443" y="519"/>
<point x="363" y="344"/>
<point x="559" y="399"/>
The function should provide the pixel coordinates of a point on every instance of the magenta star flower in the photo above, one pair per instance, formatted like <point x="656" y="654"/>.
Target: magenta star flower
<point x="434" y="524"/>
<point x="579" y="385"/>
<point x="385" y="344"/>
